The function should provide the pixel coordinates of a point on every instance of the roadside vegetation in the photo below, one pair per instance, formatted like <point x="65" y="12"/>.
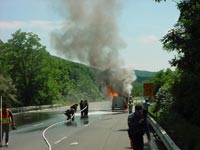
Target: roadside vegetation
<point x="142" y="77"/>
<point x="177" y="92"/>
<point x="29" y="75"/>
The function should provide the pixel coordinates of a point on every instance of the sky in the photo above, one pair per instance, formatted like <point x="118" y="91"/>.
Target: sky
<point x="142" y="23"/>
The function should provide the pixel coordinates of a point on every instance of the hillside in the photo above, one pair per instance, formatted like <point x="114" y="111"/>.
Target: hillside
<point x="143" y="75"/>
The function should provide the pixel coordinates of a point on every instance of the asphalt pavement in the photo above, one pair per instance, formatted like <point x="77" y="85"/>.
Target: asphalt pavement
<point x="104" y="130"/>
<point x="108" y="132"/>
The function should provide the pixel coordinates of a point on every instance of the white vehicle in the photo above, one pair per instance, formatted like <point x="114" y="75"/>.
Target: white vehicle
<point x="119" y="103"/>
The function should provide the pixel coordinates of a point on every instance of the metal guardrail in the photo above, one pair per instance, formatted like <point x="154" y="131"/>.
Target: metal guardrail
<point x="167" y="141"/>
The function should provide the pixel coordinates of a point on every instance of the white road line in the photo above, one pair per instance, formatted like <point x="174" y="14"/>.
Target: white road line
<point x="58" y="141"/>
<point x="74" y="143"/>
<point x="87" y="124"/>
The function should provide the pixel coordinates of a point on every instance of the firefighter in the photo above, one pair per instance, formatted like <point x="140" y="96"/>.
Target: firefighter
<point x="6" y="115"/>
<point x="74" y="106"/>
<point x="70" y="114"/>
<point x="81" y="108"/>
<point x="85" y="114"/>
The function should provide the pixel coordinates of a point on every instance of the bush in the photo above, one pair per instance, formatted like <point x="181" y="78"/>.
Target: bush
<point x="184" y="134"/>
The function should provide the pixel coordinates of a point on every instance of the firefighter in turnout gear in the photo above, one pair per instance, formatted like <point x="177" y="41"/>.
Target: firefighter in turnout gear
<point x="85" y="114"/>
<point x="70" y="114"/>
<point x="6" y="117"/>
<point x="81" y="108"/>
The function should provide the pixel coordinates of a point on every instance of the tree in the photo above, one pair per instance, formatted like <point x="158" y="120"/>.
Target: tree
<point x="23" y="56"/>
<point x="185" y="40"/>
<point x="40" y="78"/>
<point x="7" y="90"/>
<point x="165" y="79"/>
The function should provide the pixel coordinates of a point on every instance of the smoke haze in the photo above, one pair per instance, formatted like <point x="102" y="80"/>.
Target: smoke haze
<point x="92" y="36"/>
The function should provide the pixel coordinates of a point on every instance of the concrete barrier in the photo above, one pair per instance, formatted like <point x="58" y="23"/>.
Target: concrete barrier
<point x="31" y="108"/>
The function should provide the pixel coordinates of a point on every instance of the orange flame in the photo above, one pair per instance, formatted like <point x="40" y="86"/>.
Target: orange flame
<point x="111" y="92"/>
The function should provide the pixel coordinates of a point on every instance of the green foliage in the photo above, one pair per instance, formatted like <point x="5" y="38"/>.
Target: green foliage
<point x="7" y="90"/>
<point x="40" y="78"/>
<point x="186" y="93"/>
<point x="185" y="37"/>
<point x="163" y="84"/>
<point x="23" y="55"/>
<point x="184" y="113"/>
<point x="185" y="40"/>
<point x="137" y="89"/>
<point x="184" y="133"/>
<point x="145" y="74"/>
<point x="142" y="76"/>
<point x="164" y="99"/>
<point x="164" y="79"/>
<point x="155" y="109"/>
<point x="77" y="81"/>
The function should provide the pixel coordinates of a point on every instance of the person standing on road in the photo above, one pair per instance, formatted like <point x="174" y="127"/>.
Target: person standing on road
<point x="137" y="128"/>
<point x="6" y="116"/>
<point x="86" y="109"/>
<point x="145" y="108"/>
<point x="81" y="108"/>
<point x="130" y="105"/>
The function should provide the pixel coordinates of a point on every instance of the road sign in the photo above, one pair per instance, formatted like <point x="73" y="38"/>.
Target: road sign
<point x="148" y="90"/>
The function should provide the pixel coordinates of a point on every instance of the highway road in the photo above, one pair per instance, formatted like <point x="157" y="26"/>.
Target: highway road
<point x="104" y="130"/>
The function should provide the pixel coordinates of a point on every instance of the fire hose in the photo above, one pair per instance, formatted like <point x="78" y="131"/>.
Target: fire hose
<point x="43" y="134"/>
<point x="80" y="111"/>
<point x="83" y="109"/>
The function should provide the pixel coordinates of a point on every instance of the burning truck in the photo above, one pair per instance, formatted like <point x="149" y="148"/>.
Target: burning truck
<point x="117" y="85"/>
<point x="92" y="38"/>
<point x="118" y="102"/>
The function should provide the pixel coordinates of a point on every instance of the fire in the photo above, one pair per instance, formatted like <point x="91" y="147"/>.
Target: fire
<point x="111" y="92"/>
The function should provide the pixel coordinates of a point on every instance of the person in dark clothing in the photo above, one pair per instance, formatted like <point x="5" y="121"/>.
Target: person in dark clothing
<point x="136" y="129"/>
<point x="70" y="114"/>
<point x="74" y="106"/>
<point x="81" y="108"/>
<point x="86" y="106"/>
<point x="145" y="109"/>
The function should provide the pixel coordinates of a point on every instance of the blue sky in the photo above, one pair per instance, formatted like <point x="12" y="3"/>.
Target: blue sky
<point x="142" y="23"/>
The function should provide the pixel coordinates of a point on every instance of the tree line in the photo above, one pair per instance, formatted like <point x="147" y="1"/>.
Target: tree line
<point x="29" y="75"/>
<point x="184" y="39"/>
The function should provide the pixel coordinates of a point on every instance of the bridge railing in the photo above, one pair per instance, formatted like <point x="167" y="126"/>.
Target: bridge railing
<point x="167" y="141"/>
